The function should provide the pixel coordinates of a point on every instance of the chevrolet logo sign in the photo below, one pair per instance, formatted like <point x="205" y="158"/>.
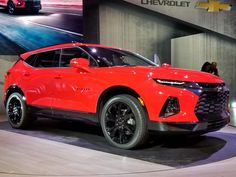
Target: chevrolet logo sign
<point x="214" y="6"/>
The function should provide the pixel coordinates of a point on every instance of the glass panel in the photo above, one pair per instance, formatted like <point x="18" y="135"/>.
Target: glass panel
<point x="115" y="57"/>
<point x="70" y="53"/>
<point x="48" y="59"/>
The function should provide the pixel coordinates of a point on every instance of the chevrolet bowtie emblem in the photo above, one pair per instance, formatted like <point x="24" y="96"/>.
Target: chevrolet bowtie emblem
<point x="214" y="6"/>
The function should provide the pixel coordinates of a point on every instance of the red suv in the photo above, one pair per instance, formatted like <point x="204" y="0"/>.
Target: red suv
<point x="125" y="93"/>
<point x="13" y="5"/>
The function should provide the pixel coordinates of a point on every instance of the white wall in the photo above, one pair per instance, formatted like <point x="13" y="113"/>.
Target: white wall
<point x="189" y="51"/>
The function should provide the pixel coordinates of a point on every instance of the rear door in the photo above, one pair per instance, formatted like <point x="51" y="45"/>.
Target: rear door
<point x="38" y="78"/>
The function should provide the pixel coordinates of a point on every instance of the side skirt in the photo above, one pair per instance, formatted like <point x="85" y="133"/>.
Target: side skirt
<point x="54" y="113"/>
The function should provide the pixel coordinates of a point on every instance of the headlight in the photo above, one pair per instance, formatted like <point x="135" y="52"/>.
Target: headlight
<point x="191" y="86"/>
<point x="171" y="82"/>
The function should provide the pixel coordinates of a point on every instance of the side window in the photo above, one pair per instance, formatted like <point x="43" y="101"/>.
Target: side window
<point x="70" y="53"/>
<point x="30" y="60"/>
<point x="48" y="59"/>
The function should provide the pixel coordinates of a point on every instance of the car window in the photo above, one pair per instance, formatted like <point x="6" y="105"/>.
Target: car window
<point x="115" y="57"/>
<point x="48" y="59"/>
<point x="69" y="53"/>
<point x="30" y="60"/>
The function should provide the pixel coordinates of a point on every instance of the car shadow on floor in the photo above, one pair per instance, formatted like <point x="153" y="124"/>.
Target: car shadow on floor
<point x="171" y="151"/>
<point x="24" y="13"/>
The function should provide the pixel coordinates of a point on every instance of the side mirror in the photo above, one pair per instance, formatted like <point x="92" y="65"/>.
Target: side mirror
<point x="165" y="65"/>
<point x="79" y="63"/>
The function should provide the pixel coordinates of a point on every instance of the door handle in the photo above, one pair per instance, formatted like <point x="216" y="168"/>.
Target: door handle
<point x="58" y="77"/>
<point x="26" y="74"/>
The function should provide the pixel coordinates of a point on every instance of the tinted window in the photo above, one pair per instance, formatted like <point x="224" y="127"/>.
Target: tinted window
<point x="114" y="57"/>
<point x="47" y="59"/>
<point x="30" y="60"/>
<point x="70" y="53"/>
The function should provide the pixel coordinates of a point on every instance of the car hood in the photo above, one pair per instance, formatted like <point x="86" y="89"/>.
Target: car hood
<point x="169" y="73"/>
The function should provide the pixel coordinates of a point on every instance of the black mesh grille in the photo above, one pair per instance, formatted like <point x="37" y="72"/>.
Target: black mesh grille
<point x="210" y="85"/>
<point x="212" y="106"/>
<point x="212" y="102"/>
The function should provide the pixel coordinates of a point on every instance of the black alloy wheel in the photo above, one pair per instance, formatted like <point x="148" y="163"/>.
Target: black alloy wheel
<point x="11" y="8"/>
<point x="17" y="111"/>
<point x="120" y="122"/>
<point x="124" y="122"/>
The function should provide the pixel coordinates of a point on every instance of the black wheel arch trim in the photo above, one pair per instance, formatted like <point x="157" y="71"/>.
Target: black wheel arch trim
<point x="12" y="89"/>
<point x="9" y="1"/>
<point x="113" y="91"/>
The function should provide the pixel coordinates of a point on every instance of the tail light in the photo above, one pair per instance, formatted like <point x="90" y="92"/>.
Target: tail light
<point x="170" y="108"/>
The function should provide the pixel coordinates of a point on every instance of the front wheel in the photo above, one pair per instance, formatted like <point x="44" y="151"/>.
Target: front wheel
<point x="124" y="122"/>
<point x="11" y="8"/>
<point x="16" y="110"/>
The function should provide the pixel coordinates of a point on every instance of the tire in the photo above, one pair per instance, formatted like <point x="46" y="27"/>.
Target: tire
<point x="124" y="122"/>
<point x="16" y="110"/>
<point x="11" y="8"/>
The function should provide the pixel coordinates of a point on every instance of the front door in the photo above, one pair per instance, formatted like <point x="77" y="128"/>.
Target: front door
<point x="73" y="87"/>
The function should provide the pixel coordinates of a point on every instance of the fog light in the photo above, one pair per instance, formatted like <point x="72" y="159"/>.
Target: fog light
<point x="170" y="108"/>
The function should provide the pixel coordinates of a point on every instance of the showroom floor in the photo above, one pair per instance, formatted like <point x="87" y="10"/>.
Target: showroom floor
<point x="56" y="148"/>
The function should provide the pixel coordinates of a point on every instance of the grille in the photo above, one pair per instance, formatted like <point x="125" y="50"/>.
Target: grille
<point x="212" y="102"/>
<point x="217" y="124"/>
<point x="210" y="85"/>
<point x="212" y="105"/>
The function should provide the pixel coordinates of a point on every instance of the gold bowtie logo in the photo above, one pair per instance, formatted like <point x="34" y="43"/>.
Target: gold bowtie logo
<point x="214" y="6"/>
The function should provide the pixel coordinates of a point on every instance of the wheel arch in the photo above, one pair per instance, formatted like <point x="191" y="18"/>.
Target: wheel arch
<point x="10" y="1"/>
<point x="13" y="89"/>
<point x="113" y="91"/>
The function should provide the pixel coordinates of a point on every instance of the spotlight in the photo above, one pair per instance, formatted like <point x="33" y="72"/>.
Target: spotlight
<point x="233" y="105"/>
<point x="94" y="50"/>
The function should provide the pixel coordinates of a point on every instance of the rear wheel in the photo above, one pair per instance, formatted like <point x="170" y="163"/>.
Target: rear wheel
<point x="16" y="110"/>
<point x="11" y="8"/>
<point x="124" y="122"/>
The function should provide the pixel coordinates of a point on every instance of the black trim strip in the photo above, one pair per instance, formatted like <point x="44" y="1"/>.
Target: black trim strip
<point x="56" y="113"/>
<point x="188" y="127"/>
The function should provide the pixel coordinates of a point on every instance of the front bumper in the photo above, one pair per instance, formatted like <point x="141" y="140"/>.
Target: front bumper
<point x="205" y="126"/>
<point x="203" y="108"/>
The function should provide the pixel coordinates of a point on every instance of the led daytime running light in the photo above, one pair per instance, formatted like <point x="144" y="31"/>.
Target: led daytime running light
<point x="166" y="82"/>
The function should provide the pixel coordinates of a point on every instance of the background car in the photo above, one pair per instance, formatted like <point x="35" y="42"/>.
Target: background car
<point x="125" y="93"/>
<point x="30" y="5"/>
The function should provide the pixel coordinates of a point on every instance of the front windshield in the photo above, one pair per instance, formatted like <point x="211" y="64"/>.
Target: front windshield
<point x="106" y="57"/>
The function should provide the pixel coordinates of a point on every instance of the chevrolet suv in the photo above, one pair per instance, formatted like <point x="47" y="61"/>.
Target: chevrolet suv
<point x="123" y="92"/>
<point x="30" y="5"/>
